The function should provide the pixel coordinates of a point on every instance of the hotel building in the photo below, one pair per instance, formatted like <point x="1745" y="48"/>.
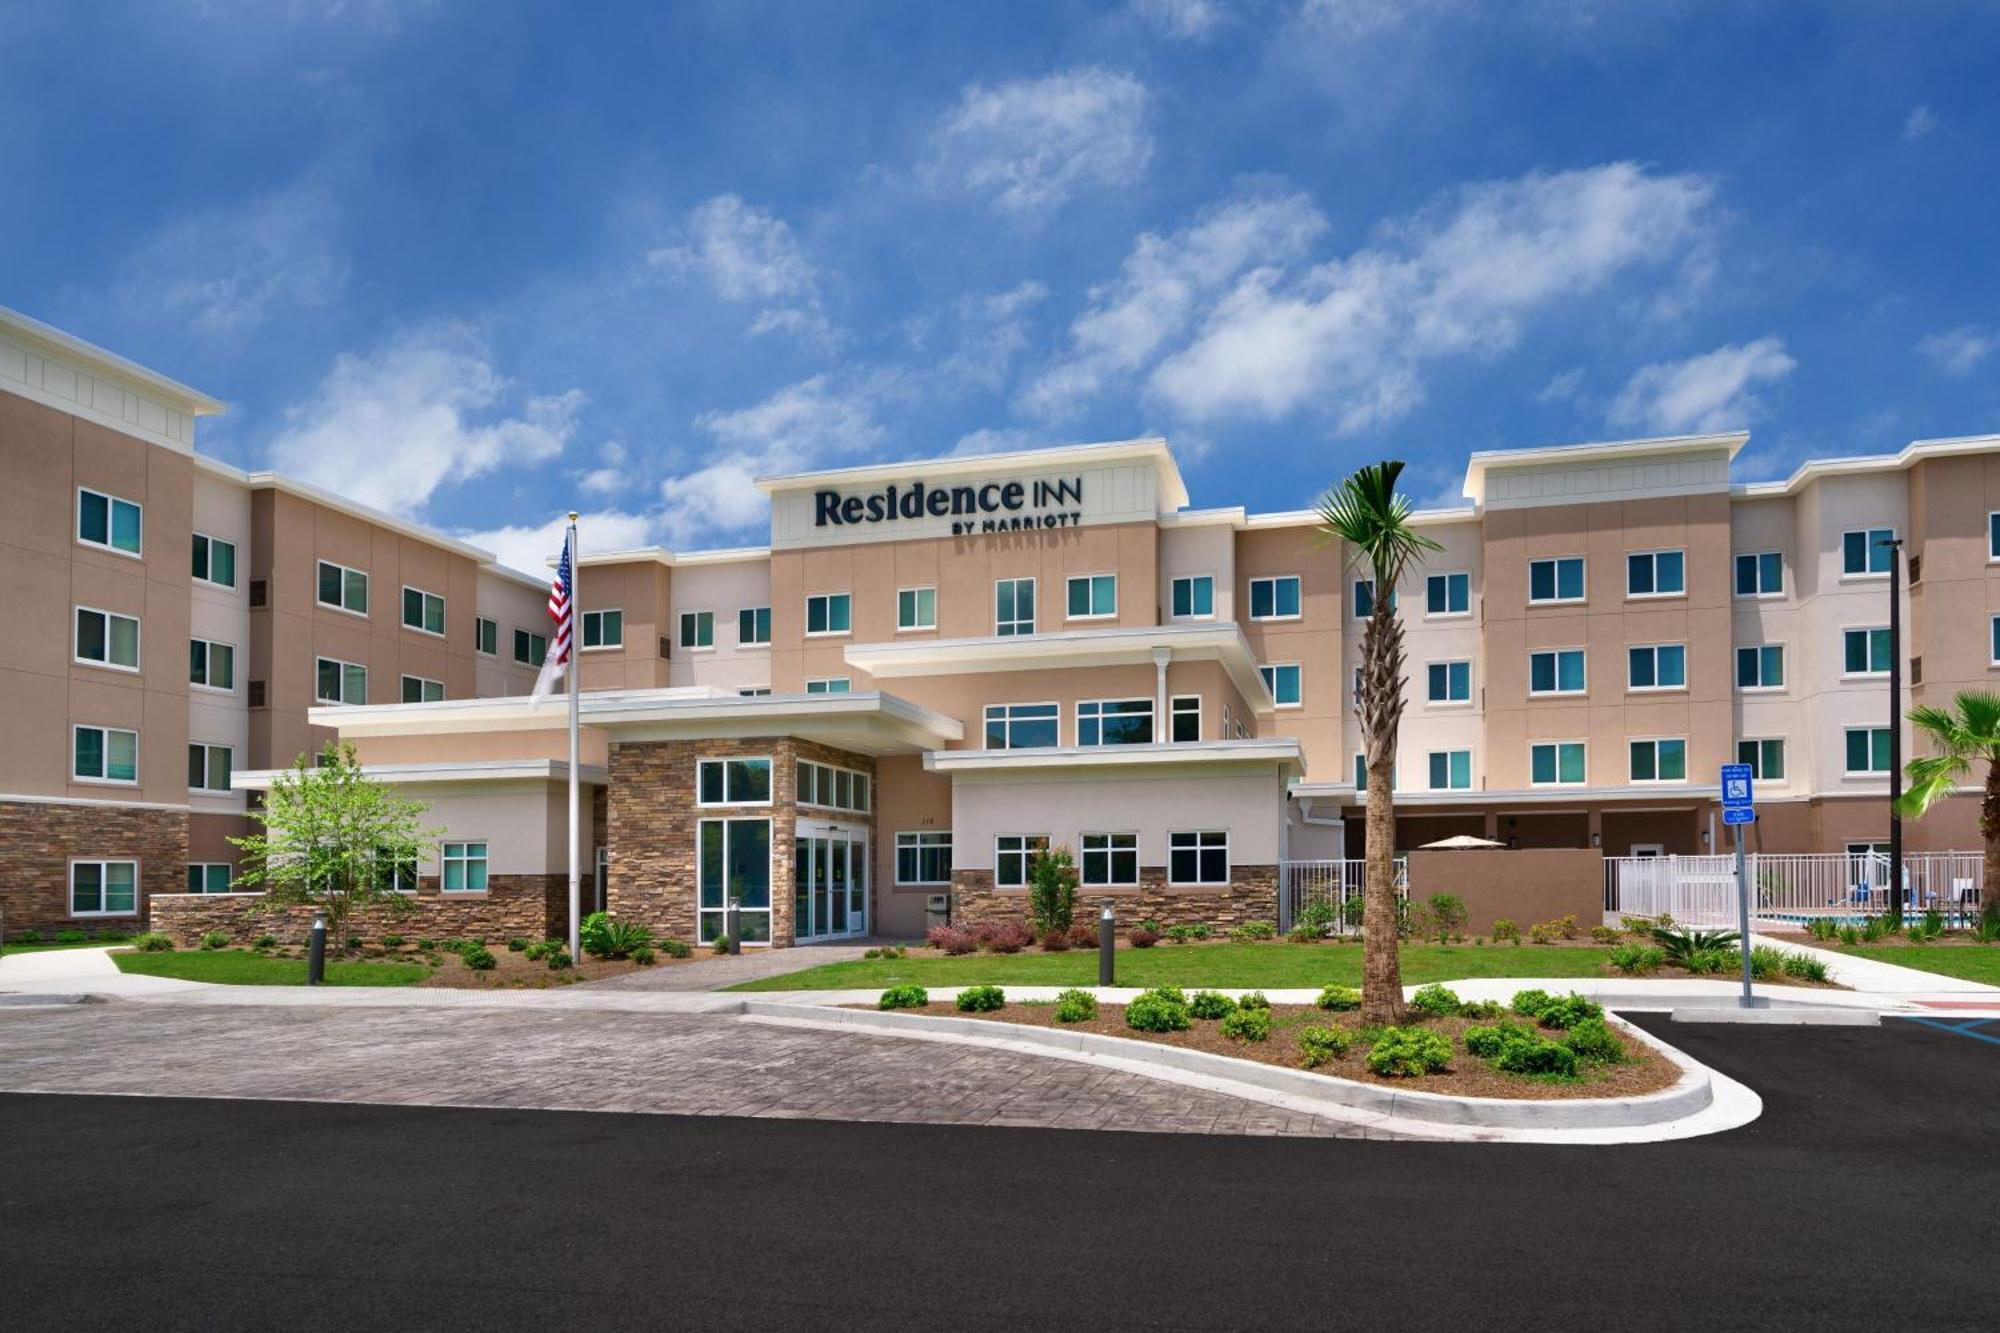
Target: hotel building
<point x="936" y="668"/>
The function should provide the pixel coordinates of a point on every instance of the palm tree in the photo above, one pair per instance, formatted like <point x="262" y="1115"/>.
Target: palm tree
<point x="1962" y="735"/>
<point x="1366" y="513"/>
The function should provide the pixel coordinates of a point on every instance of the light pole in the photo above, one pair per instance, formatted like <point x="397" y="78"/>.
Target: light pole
<point x="1895" y="546"/>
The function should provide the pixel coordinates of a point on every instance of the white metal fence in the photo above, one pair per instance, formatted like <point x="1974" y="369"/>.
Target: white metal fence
<point x="1340" y="883"/>
<point x="1701" y="890"/>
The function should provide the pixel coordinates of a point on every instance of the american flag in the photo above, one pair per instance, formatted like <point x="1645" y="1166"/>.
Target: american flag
<point x="560" y="611"/>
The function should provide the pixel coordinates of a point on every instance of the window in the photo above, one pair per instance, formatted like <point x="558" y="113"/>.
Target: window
<point x="1449" y="682"/>
<point x="530" y="648"/>
<point x="830" y="685"/>
<point x="916" y="608"/>
<point x="395" y="874"/>
<point x="208" y="876"/>
<point x="733" y="861"/>
<point x="1656" y="666"/>
<point x="923" y="858"/>
<point x="697" y="630"/>
<point x="1866" y="652"/>
<point x="1110" y="859"/>
<point x="1765" y="757"/>
<point x="829" y="613"/>
<point x="103" y="888"/>
<point x="211" y="665"/>
<point x="733" y="782"/>
<point x="104" y="754"/>
<point x="1862" y="552"/>
<point x="1760" y="574"/>
<point x="486" y="636"/>
<point x="1194" y="597"/>
<point x="418" y="690"/>
<point x="1282" y="680"/>
<point x="1361" y="774"/>
<point x="107" y="638"/>
<point x="1186" y="709"/>
<point x="336" y="682"/>
<point x="1556" y="764"/>
<point x="423" y="611"/>
<point x="1198" y="858"/>
<point x="1114" y="722"/>
<point x="1448" y="595"/>
<point x="1013" y="853"/>
<point x="208" y="766"/>
<point x="606" y="629"/>
<point x="107" y="521"/>
<point x="1994" y="623"/>
<point x="1559" y="580"/>
<point x="1451" y="770"/>
<point x="1993" y="535"/>
<point x="1867" y="750"/>
<point x="1014" y="607"/>
<point x="215" y="561"/>
<point x="1093" y="596"/>
<point x="1659" y="761"/>
<point x="1559" y="671"/>
<point x="1760" y="666"/>
<point x="463" y="868"/>
<point x="834" y="788"/>
<point x="753" y="625"/>
<point x="1364" y="599"/>
<point x="754" y="691"/>
<point x="1655" y="574"/>
<point x="1022" y="726"/>
<point x="343" y="588"/>
<point x="1275" y="598"/>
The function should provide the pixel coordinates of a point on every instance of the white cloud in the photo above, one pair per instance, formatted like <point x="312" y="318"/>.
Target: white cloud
<point x="1183" y="20"/>
<point x="529" y="549"/>
<point x="390" y="427"/>
<point x="1921" y="121"/>
<point x="992" y="332"/>
<point x="1352" y="337"/>
<point x="1959" y="351"/>
<point x="1000" y="440"/>
<point x="749" y="255"/>
<point x="1711" y="392"/>
<point x="1562" y="387"/>
<point x="1033" y="143"/>
<point x="1164" y="282"/>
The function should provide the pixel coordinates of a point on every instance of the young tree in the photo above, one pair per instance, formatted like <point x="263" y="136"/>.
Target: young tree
<point x="334" y="838"/>
<point x="1052" y="890"/>
<point x="1963" y="735"/>
<point x="1368" y="515"/>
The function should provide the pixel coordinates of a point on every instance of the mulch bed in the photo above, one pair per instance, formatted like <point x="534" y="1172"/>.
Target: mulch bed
<point x="1469" y="1076"/>
<point x="511" y="971"/>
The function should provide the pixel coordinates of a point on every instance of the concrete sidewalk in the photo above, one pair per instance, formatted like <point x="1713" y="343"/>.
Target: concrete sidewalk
<point x="89" y="971"/>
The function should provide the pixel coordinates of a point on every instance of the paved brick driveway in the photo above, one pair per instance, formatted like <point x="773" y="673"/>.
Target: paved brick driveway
<point x="593" y="1061"/>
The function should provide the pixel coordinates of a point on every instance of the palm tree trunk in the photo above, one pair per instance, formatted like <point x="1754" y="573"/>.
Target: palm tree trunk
<point x="1989" y="829"/>
<point x="1381" y="967"/>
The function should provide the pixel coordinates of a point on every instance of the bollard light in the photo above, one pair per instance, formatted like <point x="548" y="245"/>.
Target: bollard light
<point x="1107" y="943"/>
<point x="732" y="924"/>
<point x="316" y="951"/>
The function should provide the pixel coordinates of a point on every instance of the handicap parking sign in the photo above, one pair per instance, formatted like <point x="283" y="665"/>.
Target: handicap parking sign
<point x="1736" y="784"/>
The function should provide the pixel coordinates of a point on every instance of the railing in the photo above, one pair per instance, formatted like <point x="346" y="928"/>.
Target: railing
<point x="1340" y="883"/>
<point x="1794" y="886"/>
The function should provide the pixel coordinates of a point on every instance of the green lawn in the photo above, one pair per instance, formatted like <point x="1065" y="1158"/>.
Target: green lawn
<point x="1272" y="966"/>
<point x="237" y="967"/>
<point x="1976" y="962"/>
<point x="49" y="946"/>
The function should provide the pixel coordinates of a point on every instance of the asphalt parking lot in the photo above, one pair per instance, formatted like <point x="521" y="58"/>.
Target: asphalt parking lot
<point x="1862" y="1199"/>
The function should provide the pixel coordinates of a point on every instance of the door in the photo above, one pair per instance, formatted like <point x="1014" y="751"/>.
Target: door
<point x="830" y="881"/>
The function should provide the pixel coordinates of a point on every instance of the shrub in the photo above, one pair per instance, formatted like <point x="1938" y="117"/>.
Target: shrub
<point x="1052" y="890"/>
<point x="1543" y="932"/>
<point x="1211" y="1004"/>
<point x="1486" y="1042"/>
<point x="1302" y="935"/>
<point x="534" y="951"/>
<point x="215" y="939"/>
<point x="904" y="997"/>
<point x="1075" y="1006"/>
<point x="29" y="936"/>
<point x="152" y="941"/>
<point x="478" y="957"/>
<point x="981" y="999"/>
<point x="1409" y="1052"/>
<point x="1536" y="1055"/>
<point x="1605" y="934"/>
<point x="1142" y="938"/>
<point x="1849" y="935"/>
<point x="1635" y="960"/>
<point x="1823" y="928"/>
<point x="643" y="955"/>
<point x="1437" y="1001"/>
<point x="1680" y="946"/>
<point x="71" y="936"/>
<point x="517" y="945"/>
<point x="1532" y="1002"/>
<point x="1804" y="968"/>
<point x="1595" y="1043"/>
<point x="1568" y="1010"/>
<point x="1150" y="923"/>
<point x="1319" y="917"/>
<point x="1254" y="930"/>
<point x="1766" y="962"/>
<point x="1447" y="916"/>
<point x="112" y="937"/>
<point x="1708" y="962"/>
<point x="353" y="943"/>
<point x="1171" y="994"/>
<point x="1009" y="937"/>
<point x="426" y="945"/>
<point x="1339" y="998"/>
<point x="1055" y="941"/>
<point x="604" y="937"/>
<point x="1187" y="932"/>
<point x="1481" y="1009"/>
<point x="674" y="948"/>
<point x="954" y="941"/>
<point x="1156" y="1012"/>
<point x="267" y="941"/>
<point x="1986" y="930"/>
<point x="720" y="946"/>
<point x="1319" y="1045"/>
<point x="1083" y="935"/>
<point x="1874" y="928"/>
<point x="557" y="958"/>
<point x="1248" y="1025"/>
<point x="1505" y="929"/>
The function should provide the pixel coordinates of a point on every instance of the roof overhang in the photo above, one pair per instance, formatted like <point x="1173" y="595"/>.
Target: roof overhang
<point x="1279" y="754"/>
<point x="499" y="770"/>
<point x="1486" y="460"/>
<point x="108" y="364"/>
<point x="1665" y="795"/>
<point x="1917" y="451"/>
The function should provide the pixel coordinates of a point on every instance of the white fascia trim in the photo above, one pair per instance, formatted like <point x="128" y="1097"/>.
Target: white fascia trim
<point x="109" y="364"/>
<point x="1280" y="750"/>
<point x="1173" y="492"/>
<point x="7" y="798"/>
<point x="1481" y="460"/>
<point x="1915" y="452"/>
<point x="1311" y="518"/>
<point x="490" y="770"/>
<point x="1665" y="794"/>
<point x="1231" y="517"/>
<point x="274" y="481"/>
<point x="660" y="555"/>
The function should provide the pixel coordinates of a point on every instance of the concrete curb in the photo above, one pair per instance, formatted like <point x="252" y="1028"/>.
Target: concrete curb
<point x="1799" y="1016"/>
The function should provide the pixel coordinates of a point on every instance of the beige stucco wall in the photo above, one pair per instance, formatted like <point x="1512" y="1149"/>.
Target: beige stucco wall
<point x="509" y="604"/>
<point x="525" y="825"/>
<point x="1313" y="640"/>
<point x="907" y="800"/>
<point x="221" y="615"/>
<point x="725" y="589"/>
<point x="1245" y="800"/>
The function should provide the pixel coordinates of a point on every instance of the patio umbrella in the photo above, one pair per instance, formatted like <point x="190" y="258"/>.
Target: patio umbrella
<point x="1463" y="842"/>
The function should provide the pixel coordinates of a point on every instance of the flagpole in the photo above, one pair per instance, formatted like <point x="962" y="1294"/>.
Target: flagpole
<point x="575" y="661"/>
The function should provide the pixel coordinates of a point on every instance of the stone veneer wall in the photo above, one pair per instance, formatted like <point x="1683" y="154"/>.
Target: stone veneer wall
<point x="1252" y="895"/>
<point x="512" y="905"/>
<point x="38" y="840"/>
<point x="651" y="817"/>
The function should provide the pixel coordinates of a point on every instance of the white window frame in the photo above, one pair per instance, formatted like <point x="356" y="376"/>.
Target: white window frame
<point x="1470" y="772"/>
<point x="1201" y="846"/>
<point x="1250" y="598"/>
<point x="104" y="864"/>
<point x="138" y="641"/>
<point x="343" y="665"/>
<point x="1034" y="596"/>
<point x="1861" y="774"/>
<point x="104" y="747"/>
<point x="1268" y="673"/>
<point x="1173" y="594"/>
<point x="1656" y="742"/>
<point x="111" y="503"/>
<point x="914" y="841"/>
<point x="1446" y="576"/>
<point x="1757" y="764"/>
<point x="753" y="691"/>
<point x="484" y="859"/>
<point x="915" y="594"/>
<point x="1558" y="692"/>
<point x="1993" y="537"/>
<point x="208" y="749"/>
<point x="1152" y="722"/>
<point x="424" y="600"/>
<point x="1784" y="669"/>
<point x="1432" y="701"/>
<point x="1090" y="596"/>
<point x="724" y="761"/>
<point x="403" y="688"/>
<point x="753" y="612"/>
<point x="602" y="645"/>
<point x="1025" y="853"/>
<point x="1868" y="534"/>
<point x="1871" y="631"/>
<point x="367" y="590"/>
<point x="480" y="624"/>
<point x="1654" y="649"/>
<point x="830" y="685"/>
<point x="687" y="635"/>
<point x="818" y="785"/>
<point x="1110" y="850"/>
<point x="1654" y="555"/>
<point x="1583" y="580"/>
<point x="1761" y="595"/>
<point x="208" y="666"/>
<point x="1175" y="712"/>
<point x="986" y="720"/>
<point x="213" y="542"/>
<point x="1993" y="640"/>
<point x="1581" y="744"/>
<point x="828" y="598"/>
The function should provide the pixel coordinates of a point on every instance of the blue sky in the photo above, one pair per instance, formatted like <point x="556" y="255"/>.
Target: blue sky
<point x="478" y="263"/>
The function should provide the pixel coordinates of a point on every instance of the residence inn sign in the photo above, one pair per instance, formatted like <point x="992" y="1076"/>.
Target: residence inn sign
<point x="995" y="506"/>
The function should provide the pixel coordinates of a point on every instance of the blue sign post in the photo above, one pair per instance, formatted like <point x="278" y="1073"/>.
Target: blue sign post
<point x="1739" y="809"/>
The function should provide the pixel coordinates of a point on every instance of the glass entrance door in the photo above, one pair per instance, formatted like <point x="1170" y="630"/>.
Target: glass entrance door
<point x="830" y="881"/>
